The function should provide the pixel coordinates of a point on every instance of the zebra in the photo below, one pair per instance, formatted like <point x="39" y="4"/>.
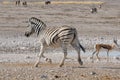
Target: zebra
<point x="54" y="37"/>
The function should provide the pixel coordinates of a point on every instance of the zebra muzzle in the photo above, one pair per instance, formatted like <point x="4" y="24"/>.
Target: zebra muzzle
<point x="26" y="34"/>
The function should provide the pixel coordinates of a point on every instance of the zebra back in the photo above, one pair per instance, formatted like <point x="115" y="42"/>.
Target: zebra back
<point x="56" y="35"/>
<point x="37" y="24"/>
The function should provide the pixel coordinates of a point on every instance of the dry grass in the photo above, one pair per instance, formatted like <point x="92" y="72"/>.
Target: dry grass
<point x="78" y="2"/>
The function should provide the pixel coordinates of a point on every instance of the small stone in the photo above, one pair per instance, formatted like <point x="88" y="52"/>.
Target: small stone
<point x="83" y="75"/>
<point x="22" y="48"/>
<point x="92" y="73"/>
<point x="56" y="76"/>
<point x="89" y="58"/>
<point x="44" y="76"/>
<point x="14" y="41"/>
<point x="51" y="71"/>
<point x="28" y="57"/>
<point x="65" y="75"/>
<point x="117" y="58"/>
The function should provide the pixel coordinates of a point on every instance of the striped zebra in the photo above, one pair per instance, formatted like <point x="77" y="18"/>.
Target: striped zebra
<point x="54" y="37"/>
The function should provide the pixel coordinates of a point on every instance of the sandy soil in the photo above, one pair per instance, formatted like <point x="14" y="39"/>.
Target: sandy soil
<point x="18" y="53"/>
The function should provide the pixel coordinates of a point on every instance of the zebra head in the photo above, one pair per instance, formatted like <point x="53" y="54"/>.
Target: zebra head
<point x="35" y="26"/>
<point x="30" y="31"/>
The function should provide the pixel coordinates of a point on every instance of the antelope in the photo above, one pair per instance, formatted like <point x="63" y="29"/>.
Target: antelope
<point x="48" y="2"/>
<point x="24" y="4"/>
<point x="108" y="47"/>
<point x="17" y="2"/>
<point x="94" y="10"/>
<point x="100" y="6"/>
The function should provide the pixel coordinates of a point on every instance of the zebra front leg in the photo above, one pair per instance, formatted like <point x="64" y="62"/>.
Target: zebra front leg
<point x="39" y="55"/>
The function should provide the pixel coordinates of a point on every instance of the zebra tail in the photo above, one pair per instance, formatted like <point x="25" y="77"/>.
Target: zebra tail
<point x="83" y="49"/>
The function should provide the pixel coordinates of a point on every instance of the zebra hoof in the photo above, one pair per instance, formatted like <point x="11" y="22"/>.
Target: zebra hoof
<point x="36" y="65"/>
<point x="60" y="65"/>
<point x="81" y="62"/>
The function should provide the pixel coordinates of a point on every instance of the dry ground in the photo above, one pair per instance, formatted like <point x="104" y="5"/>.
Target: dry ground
<point x="18" y="53"/>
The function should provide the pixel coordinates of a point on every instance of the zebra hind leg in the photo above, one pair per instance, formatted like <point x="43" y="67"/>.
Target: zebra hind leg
<point x="76" y="46"/>
<point x="65" y="55"/>
<point x="46" y="59"/>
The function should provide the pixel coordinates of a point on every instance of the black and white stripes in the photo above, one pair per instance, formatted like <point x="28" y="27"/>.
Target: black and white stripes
<point x="37" y="24"/>
<point x="54" y="37"/>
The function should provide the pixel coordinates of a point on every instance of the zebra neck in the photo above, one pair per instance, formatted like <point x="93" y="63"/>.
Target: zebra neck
<point x="40" y="31"/>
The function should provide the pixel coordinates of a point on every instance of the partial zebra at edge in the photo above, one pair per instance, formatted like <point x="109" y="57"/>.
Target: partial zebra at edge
<point x="54" y="37"/>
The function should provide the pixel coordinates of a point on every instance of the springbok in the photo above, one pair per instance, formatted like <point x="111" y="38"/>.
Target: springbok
<point x="24" y="3"/>
<point x="48" y="2"/>
<point x="104" y="46"/>
<point x="100" y="6"/>
<point x="17" y="2"/>
<point x="94" y="10"/>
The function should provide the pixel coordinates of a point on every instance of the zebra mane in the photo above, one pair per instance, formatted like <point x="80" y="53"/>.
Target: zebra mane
<point x="38" y="24"/>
